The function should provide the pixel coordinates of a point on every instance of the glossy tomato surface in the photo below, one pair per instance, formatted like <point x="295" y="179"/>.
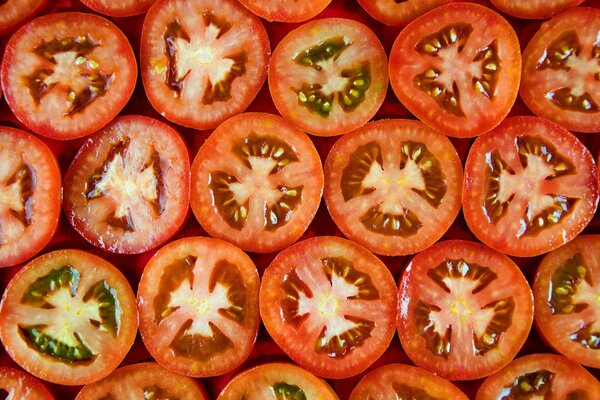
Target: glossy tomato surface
<point x="198" y="303"/>
<point x="64" y="80"/>
<point x="534" y="9"/>
<point x="30" y="195"/>
<point x="14" y="12"/>
<point x="399" y="12"/>
<point x="457" y="68"/>
<point x="68" y="317"/>
<point x="286" y="11"/>
<point x="19" y="385"/>
<point x="121" y="8"/>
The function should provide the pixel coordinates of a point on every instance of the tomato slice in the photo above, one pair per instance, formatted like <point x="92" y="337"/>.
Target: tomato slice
<point x="457" y="68"/>
<point x="198" y="301"/>
<point x="121" y="8"/>
<point x="534" y="9"/>
<point x="30" y="195"/>
<point x="567" y="306"/>
<point x="16" y="384"/>
<point x="561" y="70"/>
<point x="202" y="61"/>
<point x="127" y="189"/>
<point x="330" y="304"/>
<point x="277" y="381"/>
<point x="466" y="310"/>
<point x="143" y="381"/>
<point x="393" y="186"/>
<point x="397" y="381"/>
<point x="282" y="11"/>
<point x="257" y="182"/>
<point x="540" y="376"/>
<point x="13" y="13"/>
<point x="329" y="76"/>
<point x="399" y="12"/>
<point x="68" y="317"/>
<point x="66" y="80"/>
<point x="530" y="187"/>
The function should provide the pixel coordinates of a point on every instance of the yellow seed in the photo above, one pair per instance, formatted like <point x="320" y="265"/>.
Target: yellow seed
<point x="429" y="48"/>
<point x="525" y="386"/>
<point x="359" y="83"/>
<point x="430" y="73"/>
<point x="561" y="290"/>
<point x="93" y="64"/>
<point x="302" y="97"/>
<point x="354" y="93"/>
<point x="347" y="100"/>
<point x="80" y="60"/>
<point x="490" y="67"/>
<point x="488" y="339"/>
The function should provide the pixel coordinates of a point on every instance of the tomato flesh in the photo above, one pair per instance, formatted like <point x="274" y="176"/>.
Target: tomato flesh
<point x="534" y="9"/>
<point x="282" y="11"/>
<point x="14" y="12"/>
<point x="399" y="12"/>
<point x="16" y="384"/>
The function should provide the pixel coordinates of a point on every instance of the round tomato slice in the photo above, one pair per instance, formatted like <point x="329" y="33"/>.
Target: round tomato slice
<point x="567" y="302"/>
<point x="68" y="317"/>
<point x="285" y="11"/>
<point x="561" y="70"/>
<point x="121" y="8"/>
<point x="65" y="80"/>
<point x="457" y="68"/>
<point x="540" y="376"/>
<point x="329" y="76"/>
<point x="19" y="385"/>
<point x="198" y="302"/>
<point x="466" y="310"/>
<point x="534" y="9"/>
<point x="393" y="186"/>
<point x="399" y="12"/>
<point x="277" y="381"/>
<point x="330" y="304"/>
<point x="397" y="381"/>
<point x="14" y="12"/>
<point x="257" y="182"/>
<point x="127" y="189"/>
<point x="30" y="195"/>
<point x="143" y="381"/>
<point x="202" y="61"/>
<point x="530" y="187"/>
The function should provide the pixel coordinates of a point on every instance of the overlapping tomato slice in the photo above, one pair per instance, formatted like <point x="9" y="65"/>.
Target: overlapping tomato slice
<point x="121" y="8"/>
<point x="286" y="11"/>
<point x="16" y="384"/>
<point x="399" y="12"/>
<point x="534" y="9"/>
<point x="14" y="12"/>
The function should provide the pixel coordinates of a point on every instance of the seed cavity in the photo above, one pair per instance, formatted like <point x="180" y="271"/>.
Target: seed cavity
<point x="405" y="224"/>
<point x="404" y="391"/>
<point x="359" y="80"/>
<point x="180" y="272"/>
<point x="565" y="283"/>
<point x="461" y="269"/>
<point x="493" y="207"/>
<point x="197" y="346"/>
<point x="537" y="384"/>
<point x="109" y="307"/>
<point x="65" y="277"/>
<point x="587" y="337"/>
<point x="490" y="70"/>
<point x="560" y="50"/>
<point x="439" y="344"/>
<point x="23" y="182"/>
<point x="174" y="31"/>
<point x="566" y="100"/>
<point x="286" y="391"/>
<point x="265" y="146"/>
<point x="502" y="320"/>
<point x="155" y="392"/>
<point x="450" y="35"/>
<point x="344" y="268"/>
<point x="234" y="213"/>
<point x="358" y="167"/>
<point x="341" y="345"/>
<point x="431" y="170"/>
<point x="294" y="288"/>
<point x="58" y="350"/>
<point x="322" y="51"/>
<point x="447" y="98"/>
<point x="228" y="275"/>
<point x="281" y="212"/>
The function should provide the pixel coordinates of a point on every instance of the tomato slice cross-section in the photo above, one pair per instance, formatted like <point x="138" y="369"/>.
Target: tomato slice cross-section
<point x="530" y="187"/>
<point x="330" y="304"/>
<point x="285" y="11"/>
<point x="14" y="12"/>
<point x="466" y="310"/>
<point x="202" y="61"/>
<point x="68" y="317"/>
<point x="198" y="301"/>
<point x="127" y="189"/>
<point x="121" y="8"/>
<point x="19" y="385"/>
<point x="534" y="9"/>
<point x="399" y="12"/>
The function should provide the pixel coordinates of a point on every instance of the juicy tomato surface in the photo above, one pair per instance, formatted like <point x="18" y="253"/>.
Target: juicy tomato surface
<point x="18" y="385"/>
<point x="534" y="9"/>
<point x="121" y="8"/>
<point x="329" y="76"/>
<point x="30" y="196"/>
<point x="457" y="68"/>
<point x="561" y="70"/>
<point x="399" y="381"/>
<point x="65" y="80"/>
<point x="530" y="187"/>
<point x="277" y="381"/>
<point x="285" y="11"/>
<point x="466" y="310"/>
<point x="567" y="307"/>
<point x="14" y="12"/>
<point x="68" y="317"/>
<point x="330" y="304"/>
<point x="399" y="12"/>
<point x="198" y="304"/>
<point x="202" y="61"/>
<point x="546" y="376"/>
<point x="127" y="189"/>
<point x="393" y="186"/>
<point x="256" y="182"/>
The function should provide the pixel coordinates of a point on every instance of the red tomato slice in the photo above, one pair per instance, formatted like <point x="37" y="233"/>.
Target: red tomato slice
<point x="143" y="381"/>
<point x="14" y="13"/>
<point x="530" y="187"/>
<point x="561" y="70"/>
<point x="466" y="310"/>
<point x="538" y="376"/>
<point x="30" y="195"/>
<point x="68" y="317"/>
<point x="397" y="381"/>
<point x="277" y="381"/>
<point x="534" y="9"/>
<point x="257" y="182"/>
<point x="330" y="304"/>
<point x="66" y="80"/>
<point x="202" y="61"/>
<point x="399" y="12"/>
<point x="285" y="11"/>
<point x="198" y="302"/>
<point x="457" y="68"/>
<point x="567" y="305"/>
<point x="127" y="189"/>
<point x="329" y="76"/>
<point x="393" y="186"/>
<point x="19" y="385"/>
<point x="121" y="8"/>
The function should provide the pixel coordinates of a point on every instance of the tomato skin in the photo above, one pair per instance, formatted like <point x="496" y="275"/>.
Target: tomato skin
<point x="534" y="9"/>
<point x="21" y="385"/>
<point x="126" y="8"/>
<point x="14" y="13"/>
<point x="394" y="13"/>
<point x="274" y="10"/>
